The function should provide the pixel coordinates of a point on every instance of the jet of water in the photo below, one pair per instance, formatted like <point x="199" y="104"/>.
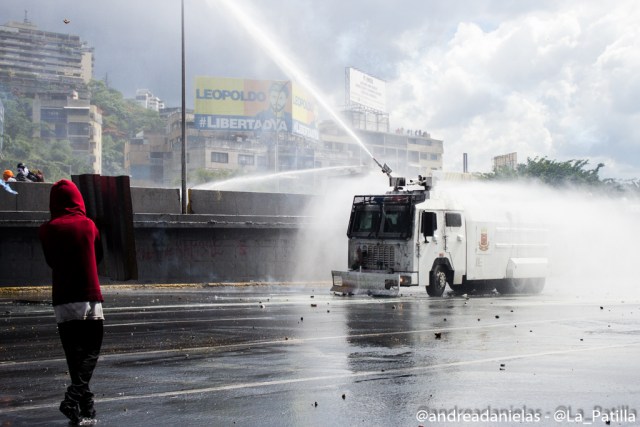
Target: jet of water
<point x="287" y="65"/>
<point x="242" y="180"/>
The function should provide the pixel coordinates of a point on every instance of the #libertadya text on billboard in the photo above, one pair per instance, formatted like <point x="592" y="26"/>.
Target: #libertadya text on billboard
<point x="254" y="105"/>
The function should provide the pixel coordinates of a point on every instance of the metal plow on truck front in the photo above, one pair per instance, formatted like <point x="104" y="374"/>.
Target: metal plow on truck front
<point x="372" y="284"/>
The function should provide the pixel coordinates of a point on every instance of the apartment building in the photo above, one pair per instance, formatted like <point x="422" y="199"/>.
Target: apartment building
<point x="407" y="152"/>
<point x="1" y="126"/>
<point x="53" y="69"/>
<point x="148" y="100"/>
<point x="147" y="157"/>
<point x="63" y="116"/>
<point x="157" y="159"/>
<point x="34" y="61"/>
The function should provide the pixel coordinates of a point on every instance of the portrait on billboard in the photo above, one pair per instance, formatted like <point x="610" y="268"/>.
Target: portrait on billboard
<point x="279" y="97"/>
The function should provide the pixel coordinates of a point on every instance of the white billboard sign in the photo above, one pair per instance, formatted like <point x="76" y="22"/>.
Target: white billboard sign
<point x="367" y="91"/>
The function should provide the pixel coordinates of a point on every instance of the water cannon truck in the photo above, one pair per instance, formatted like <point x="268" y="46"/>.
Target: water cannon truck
<point x="405" y="238"/>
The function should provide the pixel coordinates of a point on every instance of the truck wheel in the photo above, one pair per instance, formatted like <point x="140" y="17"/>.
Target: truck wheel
<point x="437" y="281"/>
<point x="511" y="286"/>
<point x="535" y="286"/>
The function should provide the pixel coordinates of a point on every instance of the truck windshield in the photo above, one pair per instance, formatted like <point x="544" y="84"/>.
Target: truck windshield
<point x="380" y="217"/>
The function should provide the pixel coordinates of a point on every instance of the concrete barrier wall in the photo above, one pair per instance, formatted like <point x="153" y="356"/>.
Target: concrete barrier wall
<point x="35" y="197"/>
<point x="156" y="200"/>
<point x="246" y="203"/>
<point x="32" y="196"/>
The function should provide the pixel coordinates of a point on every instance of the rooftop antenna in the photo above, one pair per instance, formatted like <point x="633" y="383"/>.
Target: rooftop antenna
<point x="26" y="17"/>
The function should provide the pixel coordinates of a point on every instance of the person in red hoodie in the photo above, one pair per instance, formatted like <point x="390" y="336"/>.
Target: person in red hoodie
<point x="72" y="248"/>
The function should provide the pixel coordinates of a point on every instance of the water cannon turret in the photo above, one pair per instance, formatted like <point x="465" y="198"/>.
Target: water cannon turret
<point x="401" y="184"/>
<point x="385" y="169"/>
<point x="423" y="181"/>
<point x="397" y="182"/>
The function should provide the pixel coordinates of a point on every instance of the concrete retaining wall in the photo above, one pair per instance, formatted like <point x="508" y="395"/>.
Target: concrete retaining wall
<point x="233" y="236"/>
<point x="167" y="254"/>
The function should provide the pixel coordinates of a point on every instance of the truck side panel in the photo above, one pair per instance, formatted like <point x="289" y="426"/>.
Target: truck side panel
<point x="494" y="249"/>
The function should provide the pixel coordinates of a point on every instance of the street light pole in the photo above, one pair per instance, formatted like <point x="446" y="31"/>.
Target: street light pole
<point x="184" y="122"/>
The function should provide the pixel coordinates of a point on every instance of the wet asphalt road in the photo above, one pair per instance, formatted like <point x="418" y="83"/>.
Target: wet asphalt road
<point x="284" y="355"/>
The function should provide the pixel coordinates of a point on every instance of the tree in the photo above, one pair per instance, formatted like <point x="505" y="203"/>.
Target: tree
<point x="19" y="144"/>
<point x="201" y="176"/>
<point x="554" y="173"/>
<point x="121" y="120"/>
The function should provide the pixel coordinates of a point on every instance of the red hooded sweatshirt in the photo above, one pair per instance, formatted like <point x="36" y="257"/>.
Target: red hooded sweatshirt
<point x="71" y="245"/>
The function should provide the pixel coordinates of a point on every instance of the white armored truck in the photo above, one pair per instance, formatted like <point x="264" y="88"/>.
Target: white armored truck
<point x="405" y="238"/>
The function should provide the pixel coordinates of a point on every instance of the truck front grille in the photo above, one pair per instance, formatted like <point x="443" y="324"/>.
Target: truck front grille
<point x="378" y="257"/>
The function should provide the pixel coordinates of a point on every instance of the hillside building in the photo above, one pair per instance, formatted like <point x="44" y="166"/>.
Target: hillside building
<point x="35" y="61"/>
<point x="63" y="116"/>
<point x="53" y="69"/>
<point x="148" y="100"/>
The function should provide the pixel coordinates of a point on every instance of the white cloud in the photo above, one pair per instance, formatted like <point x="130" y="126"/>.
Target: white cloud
<point x="540" y="77"/>
<point x="558" y="83"/>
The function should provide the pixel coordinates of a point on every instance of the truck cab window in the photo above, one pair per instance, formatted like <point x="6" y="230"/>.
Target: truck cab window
<point x="395" y="220"/>
<point x="382" y="217"/>
<point x="366" y="221"/>
<point x="453" y="219"/>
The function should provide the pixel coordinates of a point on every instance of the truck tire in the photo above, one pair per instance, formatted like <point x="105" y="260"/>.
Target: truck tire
<point x="437" y="281"/>
<point x="511" y="286"/>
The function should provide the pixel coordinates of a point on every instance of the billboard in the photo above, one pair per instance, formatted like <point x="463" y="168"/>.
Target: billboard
<point x="304" y="111"/>
<point x="367" y="91"/>
<point x="240" y="104"/>
<point x="231" y="104"/>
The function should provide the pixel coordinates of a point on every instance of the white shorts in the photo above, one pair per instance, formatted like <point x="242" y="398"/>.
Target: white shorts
<point x="78" y="311"/>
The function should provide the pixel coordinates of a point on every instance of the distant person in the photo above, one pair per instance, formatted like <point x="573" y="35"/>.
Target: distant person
<point x="71" y="245"/>
<point x="39" y="175"/>
<point x="7" y="176"/>
<point x="24" y="174"/>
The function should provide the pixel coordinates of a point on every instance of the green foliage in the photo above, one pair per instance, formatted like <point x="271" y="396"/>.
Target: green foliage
<point x="201" y="176"/>
<point x="554" y="173"/>
<point x="55" y="159"/>
<point x="121" y="119"/>
<point x="112" y="156"/>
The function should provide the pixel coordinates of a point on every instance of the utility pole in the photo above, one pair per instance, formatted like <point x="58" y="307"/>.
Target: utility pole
<point x="184" y="122"/>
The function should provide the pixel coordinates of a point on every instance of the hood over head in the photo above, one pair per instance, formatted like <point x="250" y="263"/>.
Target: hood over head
<point x="65" y="199"/>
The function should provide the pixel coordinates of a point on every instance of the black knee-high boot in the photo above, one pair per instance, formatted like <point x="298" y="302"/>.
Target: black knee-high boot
<point x="81" y="341"/>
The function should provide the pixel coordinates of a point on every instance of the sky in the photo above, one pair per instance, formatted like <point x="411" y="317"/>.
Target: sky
<point x="542" y="78"/>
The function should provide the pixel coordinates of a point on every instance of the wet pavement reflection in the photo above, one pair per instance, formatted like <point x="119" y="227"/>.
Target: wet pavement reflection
<point x="284" y="354"/>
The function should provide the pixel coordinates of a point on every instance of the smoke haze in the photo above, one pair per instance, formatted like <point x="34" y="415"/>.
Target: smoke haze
<point x="592" y="249"/>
